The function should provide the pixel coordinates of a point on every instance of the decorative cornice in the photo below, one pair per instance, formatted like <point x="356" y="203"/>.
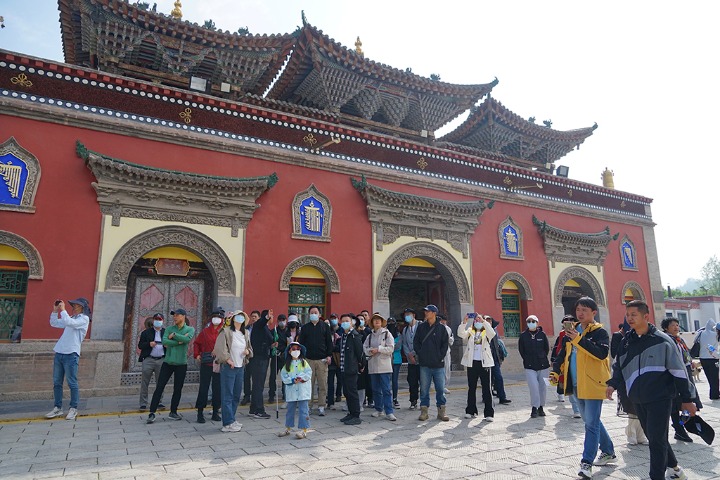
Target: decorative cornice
<point x="574" y="247"/>
<point x="395" y="214"/>
<point x="125" y="189"/>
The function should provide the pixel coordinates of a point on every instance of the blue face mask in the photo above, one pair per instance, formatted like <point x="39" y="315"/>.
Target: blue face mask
<point x="345" y="326"/>
<point x="157" y="323"/>
<point x="409" y="318"/>
<point x="362" y="323"/>
<point x="333" y="322"/>
<point x="478" y="325"/>
<point x="314" y="317"/>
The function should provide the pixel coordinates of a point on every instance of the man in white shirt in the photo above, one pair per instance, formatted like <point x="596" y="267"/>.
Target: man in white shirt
<point x="67" y="352"/>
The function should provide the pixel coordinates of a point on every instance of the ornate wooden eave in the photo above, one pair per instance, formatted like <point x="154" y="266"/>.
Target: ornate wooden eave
<point x="574" y="247"/>
<point x="493" y="128"/>
<point x="119" y="37"/>
<point x="125" y="189"/>
<point x="324" y="74"/>
<point x="394" y="214"/>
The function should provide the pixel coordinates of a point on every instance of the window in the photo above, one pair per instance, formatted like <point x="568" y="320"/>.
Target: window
<point x="669" y="315"/>
<point x="511" y="314"/>
<point x="683" y="320"/>
<point x="302" y="297"/>
<point x="13" y="290"/>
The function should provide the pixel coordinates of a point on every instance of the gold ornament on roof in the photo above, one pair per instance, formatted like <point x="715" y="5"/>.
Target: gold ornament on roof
<point x="607" y="178"/>
<point x="177" y="11"/>
<point x="21" y="80"/>
<point x="358" y="47"/>
<point x="422" y="163"/>
<point x="186" y="115"/>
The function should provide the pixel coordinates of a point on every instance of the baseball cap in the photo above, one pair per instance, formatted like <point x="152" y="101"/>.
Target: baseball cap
<point x="408" y="310"/>
<point x="431" y="308"/>
<point x="179" y="311"/>
<point x="158" y="316"/>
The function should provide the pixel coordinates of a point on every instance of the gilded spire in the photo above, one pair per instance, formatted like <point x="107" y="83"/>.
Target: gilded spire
<point x="607" y="178"/>
<point x="358" y="47"/>
<point x="177" y="11"/>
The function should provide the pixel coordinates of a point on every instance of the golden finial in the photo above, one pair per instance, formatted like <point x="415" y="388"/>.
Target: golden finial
<point x="607" y="178"/>
<point x="358" y="47"/>
<point x="177" y="12"/>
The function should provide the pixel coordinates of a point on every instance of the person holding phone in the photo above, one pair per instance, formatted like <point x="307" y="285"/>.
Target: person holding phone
<point x="477" y="335"/>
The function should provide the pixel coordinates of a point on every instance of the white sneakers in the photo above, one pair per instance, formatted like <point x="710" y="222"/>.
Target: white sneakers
<point x="72" y="414"/>
<point x="56" y="412"/>
<point x="489" y="419"/>
<point x="471" y="415"/>
<point x="676" y="473"/>
<point x="233" y="427"/>
<point x="391" y="417"/>
<point x="321" y="412"/>
<point x="377" y="414"/>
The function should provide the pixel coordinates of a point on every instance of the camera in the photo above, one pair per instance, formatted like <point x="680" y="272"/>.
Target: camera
<point x="57" y="302"/>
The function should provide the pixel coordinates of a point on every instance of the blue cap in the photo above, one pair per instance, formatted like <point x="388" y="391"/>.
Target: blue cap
<point x="179" y="311"/>
<point x="431" y="308"/>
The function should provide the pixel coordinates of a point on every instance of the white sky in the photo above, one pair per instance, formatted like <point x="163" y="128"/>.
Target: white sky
<point x="645" y="71"/>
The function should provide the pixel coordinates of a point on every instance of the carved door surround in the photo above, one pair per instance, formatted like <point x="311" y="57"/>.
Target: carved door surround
<point x="31" y="254"/>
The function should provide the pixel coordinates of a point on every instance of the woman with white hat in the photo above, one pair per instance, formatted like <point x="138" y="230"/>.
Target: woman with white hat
<point x="534" y="349"/>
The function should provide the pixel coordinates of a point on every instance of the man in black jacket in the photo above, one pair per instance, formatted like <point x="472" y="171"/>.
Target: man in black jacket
<point x="152" y="353"/>
<point x="351" y="361"/>
<point x="430" y="344"/>
<point x="317" y="339"/>
<point x="261" y="339"/>
<point x="650" y="366"/>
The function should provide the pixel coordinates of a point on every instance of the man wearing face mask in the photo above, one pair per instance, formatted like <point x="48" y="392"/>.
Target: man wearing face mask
<point x="152" y="353"/>
<point x="334" y="386"/>
<point x="317" y="339"/>
<point x="351" y="361"/>
<point x="202" y="350"/>
<point x="413" y="375"/>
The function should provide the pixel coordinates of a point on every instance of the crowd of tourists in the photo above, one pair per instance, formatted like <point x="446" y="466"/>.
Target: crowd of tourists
<point x="358" y="357"/>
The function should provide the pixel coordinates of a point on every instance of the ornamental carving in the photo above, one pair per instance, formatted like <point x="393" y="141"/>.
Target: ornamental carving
<point x="574" y="247"/>
<point x="581" y="276"/>
<point x="36" y="270"/>
<point x="510" y="237"/>
<point x="517" y="279"/>
<point x="449" y="268"/>
<point x="312" y="215"/>
<point x="331" y="276"/>
<point x="394" y="214"/>
<point x="628" y="255"/>
<point x="636" y="290"/>
<point x="130" y="190"/>
<point x="176" y="236"/>
<point x="19" y="177"/>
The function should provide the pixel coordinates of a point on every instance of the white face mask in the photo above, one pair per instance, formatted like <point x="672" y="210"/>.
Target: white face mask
<point x="532" y="326"/>
<point x="295" y="353"/>
<point x="216" y="321"/>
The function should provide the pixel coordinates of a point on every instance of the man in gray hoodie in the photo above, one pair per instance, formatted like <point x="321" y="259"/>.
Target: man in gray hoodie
<point x="708" y="337"/>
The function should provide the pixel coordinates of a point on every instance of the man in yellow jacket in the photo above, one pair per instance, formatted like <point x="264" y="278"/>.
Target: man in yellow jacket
<point x="584" y="359"/>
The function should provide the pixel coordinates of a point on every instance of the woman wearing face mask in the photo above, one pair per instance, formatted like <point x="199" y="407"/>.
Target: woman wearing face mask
<point x="202" y="348"/>
<point x="232" y="352"/>
<point x="534" y="349"/>
<point x="296" y="375"/>
<point x="363" y="381"/>
<point x="477" y="333"/>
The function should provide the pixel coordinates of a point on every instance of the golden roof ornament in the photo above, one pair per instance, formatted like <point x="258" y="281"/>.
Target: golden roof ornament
<point x="358" y="47"/>
<point x="607" y="178"/>
<point x="177" y="11"/>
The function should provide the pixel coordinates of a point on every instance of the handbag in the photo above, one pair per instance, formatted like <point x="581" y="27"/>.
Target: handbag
<point x="695" y="349"/>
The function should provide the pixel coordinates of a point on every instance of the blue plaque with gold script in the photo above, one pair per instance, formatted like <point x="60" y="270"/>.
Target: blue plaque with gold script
<point x="13" y="178"/>
<point x="510" y="241"/>
<point x="312" y="215"/>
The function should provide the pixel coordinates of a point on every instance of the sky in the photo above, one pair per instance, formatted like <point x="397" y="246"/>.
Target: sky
<point x="645" y="71"/>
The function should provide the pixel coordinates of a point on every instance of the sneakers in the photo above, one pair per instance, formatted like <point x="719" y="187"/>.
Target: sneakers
<point x="561" y="397"/>
<point x="505" y="402"/>
<point x="676" y="473"/>
<point x="413" y="406"/>
<point x="683" y="437"/>
<point x="541" y="412"/>
<point x="605" y="458"/>
<point x="396" y="404"/>
<point x="534" y="412"/>
<point x="245" y="401"/>
<point x="489" y="419"/>
<point x="446" y="391"/>
<point x="233" y="427"/>
<point x="301" y="434"/>
<point x="284" y="433"/>
<point x="391" y="417"/>
<point x="346" y="418"/>
<point x="378" y="413"/>
<point x="585" y="470"/>
<point x="175" y="416"/>
<point x="56" y="412"/>
<point x="72" y="414"/>
<point x="321" y="412"/>
<point x="344" y="408"/>
<point x="143" y="408"/>
<point x="353" y="421"/>
<point x="161" y="407"/>
<point x="284" y="405"/>
<point x="261" y="415"/>
<point x="577" y="415"/>
<point x="470" y="415"/>
<point x="151" y="418"/>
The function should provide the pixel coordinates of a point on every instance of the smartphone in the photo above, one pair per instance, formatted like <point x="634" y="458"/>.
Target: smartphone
<point x="471" y="315"/>
<point x="57" y="302"/>
<point x="568" y="326"/>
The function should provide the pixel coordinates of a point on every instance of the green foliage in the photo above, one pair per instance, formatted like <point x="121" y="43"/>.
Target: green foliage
<point x="711" y="276"/>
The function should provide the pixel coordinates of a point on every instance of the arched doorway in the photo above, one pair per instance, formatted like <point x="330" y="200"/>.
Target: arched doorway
<point x="309" y="280"/>
<point x="573" y="283"/>
<point x="19" y="262"/>
<point x="632" y="291"/>
<point x="417" y="283"/>
<point x="514" y="292"/>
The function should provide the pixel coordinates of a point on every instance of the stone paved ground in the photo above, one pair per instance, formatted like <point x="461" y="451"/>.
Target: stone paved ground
<point x="120" y="445"/>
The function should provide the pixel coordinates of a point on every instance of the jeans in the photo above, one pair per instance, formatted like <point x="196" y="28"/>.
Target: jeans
<point x="654" y="417"/>
<point x="413" y="379"/>
<point x="498" y="383"/>
<point x="395" y="380"/>
<point x="231" y="385"/>
<point x="382" y="395"/>
<point x="319" y="378"/>
<point x="437" y="376"/>
<point x="166" y="371"/>
<point x="259" y="374"/>
<point x="303" y="414"/>
<point x="65" y="366"/>
<point x="473" y="373"/>
<point x="574" y="403"/>
<point x="595" y="432"/>
<point x="149" y="366"/>
<point x="536" y="384"/>
<point x="206" y="377"/>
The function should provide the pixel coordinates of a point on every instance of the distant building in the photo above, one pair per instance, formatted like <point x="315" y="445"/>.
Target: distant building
<point x="693" y="312"/>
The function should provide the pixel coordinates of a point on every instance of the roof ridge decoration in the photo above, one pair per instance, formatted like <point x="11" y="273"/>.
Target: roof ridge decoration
<point x="493" y="128"/>
<point x="125" y="189"/>
<point x="324" y="74"/>
<point x="574" y="247"/>
<point x="395" y="214"/>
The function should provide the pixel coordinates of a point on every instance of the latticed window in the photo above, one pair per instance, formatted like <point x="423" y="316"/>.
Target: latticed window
<point x="13" y="289"/>
<point x="511" y="314"/>
<point x="302" y="297"/>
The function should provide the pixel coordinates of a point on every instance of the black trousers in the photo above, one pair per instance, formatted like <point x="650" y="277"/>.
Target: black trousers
<point x="710" y="367"/>
<point x="413" y="379"/>
<point x="275" y="366"/>
<point x="259" y="374"/>
<point x="351" y="393"/>
<point x="207" y="376"/>
<point x="247" y="380"/>
<point x="473" y="373"/>
<point x="655" y="419"/>
<point x="166" y="371"/>
<point x="334" y="388"/>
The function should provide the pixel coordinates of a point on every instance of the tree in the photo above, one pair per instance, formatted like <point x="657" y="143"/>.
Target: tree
<point x="711" y="276"/>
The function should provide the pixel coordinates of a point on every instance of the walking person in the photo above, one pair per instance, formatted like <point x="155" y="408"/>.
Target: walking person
<point x="152" y="353"/>
<point x="653" y="372"/>
<point x="203" y="351"/>
<point x="585" y="361"/>
<point x="476" y="334"/>
<point x="413" y="368"/>
<point x="431" y="344"/>
<point x="296" y="375"/>
<point x="379" y="347"/>
<point x="351" y="362"/>
<point x="233" y="350"/>
<point x="534" y="349"/>
<point x="709" y="339"/>
<point x="67" y="353"/>
<point x="176" y="339"/>
<point x="261" y="339"/>
<point x="317" y="339"/>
